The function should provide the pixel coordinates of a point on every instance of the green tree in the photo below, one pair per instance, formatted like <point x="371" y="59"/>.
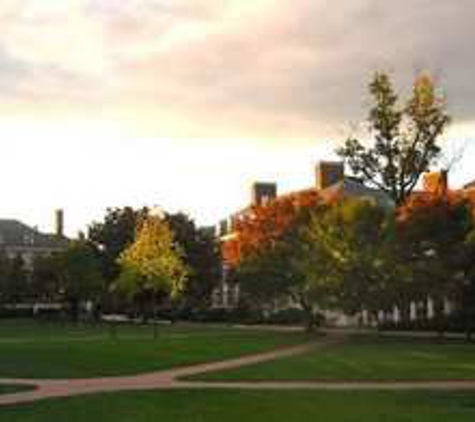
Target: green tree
<point x="286" y="271"/>
<point x="17" y="286"/>
<point x="113" y="235"/>
<point x="152" y="266"/>
<point x="348" y="250"/>
<point x="4" y="276"/>
<point x="45" y="278"/>
<point x="405" y="137"/>
<point x="201" y="255"/>
<point x="78" y="275"/>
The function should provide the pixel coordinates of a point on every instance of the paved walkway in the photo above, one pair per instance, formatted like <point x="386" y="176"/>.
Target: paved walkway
<point x="166" y="379"/>
<point x="170" y="379"/>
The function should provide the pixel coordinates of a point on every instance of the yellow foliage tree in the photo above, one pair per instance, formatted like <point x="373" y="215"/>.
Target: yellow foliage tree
<point x="153" y="264"/>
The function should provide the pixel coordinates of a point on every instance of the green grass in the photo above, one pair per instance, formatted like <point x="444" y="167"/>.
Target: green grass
<point x="34" y="350"/>
<point x="7" y="389"/>
<point x="251" y="406"/>
<point x="365" y="359"/>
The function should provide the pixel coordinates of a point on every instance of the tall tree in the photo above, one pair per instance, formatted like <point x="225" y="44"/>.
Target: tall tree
<point x="267" y="254"/>
<point x="405" y="137"/>
<point x="152" y="266"/>
<point x="78" y="275"/>
<point x="113" y="235"/>
<point x="434" y="232"/>
<point x="202" y="257"/>
<point x="263" y="225"/>
<point x="350" y="240"/>
<point x="45" y="278"/>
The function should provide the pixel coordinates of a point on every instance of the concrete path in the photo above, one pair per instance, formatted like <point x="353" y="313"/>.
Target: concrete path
<point x="170" y="379"/>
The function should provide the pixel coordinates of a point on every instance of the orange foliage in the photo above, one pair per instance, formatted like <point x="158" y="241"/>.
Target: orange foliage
<point x="470" y="196"/>
<point x="431" y="201"/>
<point x="260" y="226"/>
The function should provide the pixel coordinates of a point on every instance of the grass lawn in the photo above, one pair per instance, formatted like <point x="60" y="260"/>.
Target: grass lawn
<point x="48" y="350"/>
<point x="251" y="406"/>
<point x="367" y="358"/>
<point x="7" y="389"/>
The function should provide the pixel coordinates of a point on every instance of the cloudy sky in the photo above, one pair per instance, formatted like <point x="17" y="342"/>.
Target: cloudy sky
<point x="182" y="103"/>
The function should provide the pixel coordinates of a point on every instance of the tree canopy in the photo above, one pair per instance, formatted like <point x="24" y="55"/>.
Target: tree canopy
<point x="201" y="255"/>
<point x="152" y="264"/>
<point x="404" y="138"/>
<point x="113" y="235"/>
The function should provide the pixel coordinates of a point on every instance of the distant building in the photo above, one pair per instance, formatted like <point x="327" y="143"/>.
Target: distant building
<point x="19" y="239"/>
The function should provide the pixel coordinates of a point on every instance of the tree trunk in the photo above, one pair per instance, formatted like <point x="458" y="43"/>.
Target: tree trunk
<point x="311" y="323"/>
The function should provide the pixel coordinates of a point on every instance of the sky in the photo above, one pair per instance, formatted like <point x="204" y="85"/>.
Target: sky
<point x="183" y="103"/>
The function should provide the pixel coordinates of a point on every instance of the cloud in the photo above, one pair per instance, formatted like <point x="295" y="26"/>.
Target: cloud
<point x="215" y="68"/>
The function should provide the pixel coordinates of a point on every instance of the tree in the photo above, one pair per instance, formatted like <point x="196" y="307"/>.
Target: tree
<point x="276" y="276"/>
<point x="152" y="266"/>
<point x="4" y="276"/>
<point x="45" y="278"/>
<point x="434" y="233"/>
<point x="263" y="225"/>
<point x="201" y="256"/>
<point x="405" y="137"/>
<point x="468" y="286"/>
<point x="350" y="242"/>
<point x="15" y="278"/>
<point x="112" y="236"/>
<point x="268" y="255"/>
<point x="78" y="275"/>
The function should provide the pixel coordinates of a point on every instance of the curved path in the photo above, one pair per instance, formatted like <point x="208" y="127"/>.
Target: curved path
<point x="170" y="379"/>
<point x="165" y="379"/>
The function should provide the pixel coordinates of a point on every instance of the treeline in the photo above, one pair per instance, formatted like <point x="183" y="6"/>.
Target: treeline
<point x="133" y="261"/>
<point x="354" y="256"/>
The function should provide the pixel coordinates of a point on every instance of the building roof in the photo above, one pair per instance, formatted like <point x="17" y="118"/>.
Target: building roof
<point x="14" y="233"/>
<point x="470" y="185"/>
<point x="353" y="188"/>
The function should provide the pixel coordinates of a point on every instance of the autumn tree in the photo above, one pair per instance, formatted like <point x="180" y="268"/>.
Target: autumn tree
<point x="152" y="266"/>
<point x="266" y="254"/>
<point x="261" y="225"/>
<point x="405" y="137"/>
<point x="434" y="233"/>
<point x="468" y="286"/>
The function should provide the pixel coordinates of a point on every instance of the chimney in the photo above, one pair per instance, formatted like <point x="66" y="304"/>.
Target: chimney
<point x="436" y="182"/>
<point x="328" y="173"/>
<point x="263" y="192"/>
<point x="59" y="214"/>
